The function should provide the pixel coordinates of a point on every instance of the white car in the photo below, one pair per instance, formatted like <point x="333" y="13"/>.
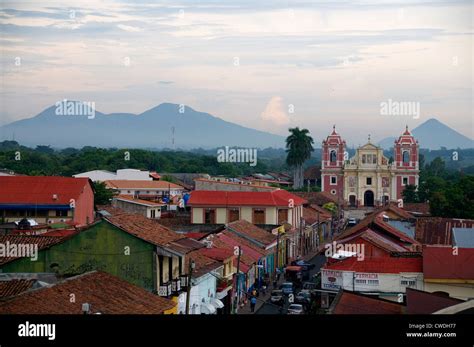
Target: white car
<point x="295" y="309"/>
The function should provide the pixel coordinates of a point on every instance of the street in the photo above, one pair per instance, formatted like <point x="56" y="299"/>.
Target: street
<point x="270" y="308"/>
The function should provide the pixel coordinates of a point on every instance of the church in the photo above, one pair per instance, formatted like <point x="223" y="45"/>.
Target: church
<point x="369" y="178"/>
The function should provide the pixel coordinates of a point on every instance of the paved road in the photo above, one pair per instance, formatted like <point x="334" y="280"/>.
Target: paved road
<point x="269" y="308"/>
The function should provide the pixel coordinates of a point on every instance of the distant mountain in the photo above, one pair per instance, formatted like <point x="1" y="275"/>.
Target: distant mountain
<point x="433" y="134"/>
<point x="154" y="128"/>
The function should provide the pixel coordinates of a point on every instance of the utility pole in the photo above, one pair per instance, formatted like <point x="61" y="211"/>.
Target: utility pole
<point x="188" y="289"/>
<point x="277" y="253"/>
<point x="319" y="228"/>
<point x="237" y="281"/>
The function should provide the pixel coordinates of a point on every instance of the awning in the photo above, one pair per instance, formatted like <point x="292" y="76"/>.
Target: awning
<point x="217" y="303"/>
<point x="208" y="309"/>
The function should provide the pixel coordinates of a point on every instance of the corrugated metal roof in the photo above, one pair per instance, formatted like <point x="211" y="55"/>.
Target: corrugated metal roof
<point x="464" y="237"/>
<point x="405" y="227"/>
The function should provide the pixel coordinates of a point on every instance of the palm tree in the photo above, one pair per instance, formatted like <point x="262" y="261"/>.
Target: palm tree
<point x="299" y="146"/>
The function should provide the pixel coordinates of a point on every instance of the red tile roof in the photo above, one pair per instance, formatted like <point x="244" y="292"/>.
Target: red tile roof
<point x="40" y="189"/>
<point x="195" y="235"/>
<point x="280" y="198"/>
<point x="245" y="228"/>
<point x="310" y="214"/>
<point x="392" y="265"/>
<point x="441" y="263"/>
<point x="136" y="184"/>
<point x="105" y="293"/>
<point x="15" y="286"/>
<point x="375" y="221"/>
<point x="41" y="242"/>
<point x="138" y="225"/>
<point x="351" y="303"/>
<point x="203" y="263"/>
<point x="317" y="198"/>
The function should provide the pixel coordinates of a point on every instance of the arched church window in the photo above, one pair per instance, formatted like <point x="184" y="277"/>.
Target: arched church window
<point x="406" y="156"/>
<point x="332" y="157"/>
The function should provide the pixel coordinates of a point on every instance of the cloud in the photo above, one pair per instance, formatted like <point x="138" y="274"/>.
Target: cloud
<point x="275" y="113"/>
<point x="129" y="28"/>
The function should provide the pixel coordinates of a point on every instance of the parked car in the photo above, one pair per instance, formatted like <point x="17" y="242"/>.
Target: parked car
<point x="295" y="309"/>
<point x="351" y="222"/>
<point x="303" y="297"/>
<point x="287" y="288"/>
<point x="310" y="285"/>
<point x="277" y="297"/>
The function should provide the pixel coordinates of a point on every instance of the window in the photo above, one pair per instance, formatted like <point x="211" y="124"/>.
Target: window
<point x="408" y="283"/>
<point x="369" y="181"/>
<point x="373" y="282"/>
<point x="152" y="214"/>
<point x="333" y="156"/>
<point x="333" y="180"/>
<point x="361" y="281"/>
<point x="405" y="181"/>
<point x="210" y="216"/>
<point x="406" y="156"/>
<point x="258" y="216"/>
<point x="374" y="159"/>
<point x="282" y="216"/>
<point x="333" y="192"/>
<point x="234" y="214"/>
<point x="61" y="213"/>
<point x="364" y="158"/>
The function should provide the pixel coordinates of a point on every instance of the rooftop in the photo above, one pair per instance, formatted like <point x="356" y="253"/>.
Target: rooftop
<point x="463" y="237"/>
<point x="15" y="286"/>
<point x="280" y="198"/>
<point x="247" y="229"/>
<point x="138" y="225"/>
<point x="146" y="185"/>
<point x="40" y="241"/>
<point x="442" y="262"/>
<point x="392" y="265"/>
<point x="438" y="231"/>
<point x="351" y="303"/>
<point x="41" y="190"/>
<point x="105" y="293"/>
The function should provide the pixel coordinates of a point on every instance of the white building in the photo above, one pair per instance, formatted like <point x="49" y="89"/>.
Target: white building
<point x="122" y="174"/>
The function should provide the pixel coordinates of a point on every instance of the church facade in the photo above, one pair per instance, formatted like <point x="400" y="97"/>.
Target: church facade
<point x="368" y="178"/>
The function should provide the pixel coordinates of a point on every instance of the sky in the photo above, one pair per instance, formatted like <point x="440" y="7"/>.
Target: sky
<point x="268" y="65"/>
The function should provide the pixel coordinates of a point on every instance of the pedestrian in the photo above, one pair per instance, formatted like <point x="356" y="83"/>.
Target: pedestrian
<point x="254" y="292"/>
<point x="253" y="302"/>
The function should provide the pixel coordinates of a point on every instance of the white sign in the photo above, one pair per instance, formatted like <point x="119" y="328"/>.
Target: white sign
<point x="331" y="279"/>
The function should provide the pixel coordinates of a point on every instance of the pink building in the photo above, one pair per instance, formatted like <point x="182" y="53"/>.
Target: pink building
<point x="368" y="178"/>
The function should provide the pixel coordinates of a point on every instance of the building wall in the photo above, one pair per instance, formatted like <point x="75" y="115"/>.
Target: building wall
<point x="137" y="208"/>
<point x="204" y="288"/>
<point x="229" y="186"/>
<point x="101" y="247"/>
<point x="246" y="213"/>
<point x="221" y="215"/>
<point x="84" y="210"/>
<point x="385" y="283"/>
<point x="197" y="215"/>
